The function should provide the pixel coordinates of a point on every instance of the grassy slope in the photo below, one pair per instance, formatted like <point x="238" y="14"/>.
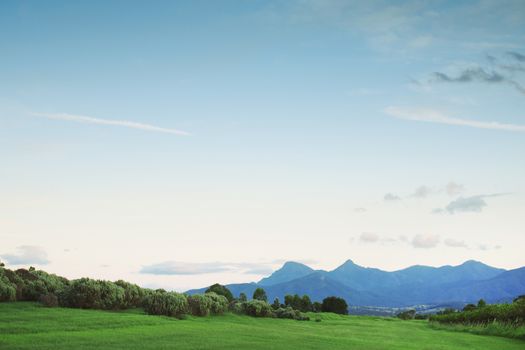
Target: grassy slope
<point x="30" y="326"/>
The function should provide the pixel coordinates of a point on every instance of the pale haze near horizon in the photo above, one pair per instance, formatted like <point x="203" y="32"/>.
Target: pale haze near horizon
<point x="180" y="144"/>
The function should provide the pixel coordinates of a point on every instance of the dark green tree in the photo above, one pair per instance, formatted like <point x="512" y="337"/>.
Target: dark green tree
<point x="220" y="290"/>
<point x="276" y="304"/>
<point x="260" y="294"/>
<point x="335" y="305"/>
<point x="469" y="307"/>
<point x="242" y="297"/>
<point x="482" y="303"/>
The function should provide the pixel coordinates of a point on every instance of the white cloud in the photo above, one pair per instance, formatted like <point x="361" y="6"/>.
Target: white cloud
<point x="450" y="242"/>
<point x="369" y="237"/>
<point x="434" y="116"/>
<point x="123" y="123"/>
<point x="425" y="241"/>
<point x="27" y="254"/>
<point x="190" y="268"/>
<point x="391" y="197"/>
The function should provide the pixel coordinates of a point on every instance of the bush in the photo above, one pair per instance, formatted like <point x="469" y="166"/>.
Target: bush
<point x="86" y="293"/>
<point x="407" y="315"/>
<point x="218" y="303"/>
<point x="199" y="305"/>
<point x="258" y="308"/>
<point x="242" y="297"/>
<point x="49" y="300"/>
<point x="317" y="306"/>
<point x="335" y="305"/>
<point x="133" y="294"/>
<point x="291" y="314"/>
<point x="32" y="284"/>
<point x="238" y="307"/>
<point x="220" y="290"/>
<point x="166" y="303"/>
<point x="7" y="289"/>
<point x="509" y="314"/>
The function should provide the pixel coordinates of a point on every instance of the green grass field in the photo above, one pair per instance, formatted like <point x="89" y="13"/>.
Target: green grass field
<point x="30" y="326"/>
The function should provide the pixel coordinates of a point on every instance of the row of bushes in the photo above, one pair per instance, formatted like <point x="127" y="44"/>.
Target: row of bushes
<point x="509" y="314"/>
<point x="86" y="293"/>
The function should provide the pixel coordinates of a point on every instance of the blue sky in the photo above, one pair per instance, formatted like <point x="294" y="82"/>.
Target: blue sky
<point x="211" y="141"/>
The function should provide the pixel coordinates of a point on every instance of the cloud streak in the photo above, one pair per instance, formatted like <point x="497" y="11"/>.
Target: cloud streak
<point x="122" y="123"/>
<point x="189" y="268"/>
<point x="27" y="254"/>
<point x="434" y="116"/>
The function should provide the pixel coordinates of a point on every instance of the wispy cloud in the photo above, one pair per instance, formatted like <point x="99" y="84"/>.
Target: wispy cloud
<point x="190" y="268"/>
<point x="122" y="123"/>
<point x="389" y="197"/>
<point x="450" y="242"/>
<point x="434" y="116"/>
<point x="27" y="254"/>
<point x="473" y="204"/>
<point x="369" y="237"/>
<point x="425" y="241"/>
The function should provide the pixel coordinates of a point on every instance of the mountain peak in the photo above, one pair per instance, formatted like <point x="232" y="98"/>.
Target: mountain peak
<point x="289" y="271"/>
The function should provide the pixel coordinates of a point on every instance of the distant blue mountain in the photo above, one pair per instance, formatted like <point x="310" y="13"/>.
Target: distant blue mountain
<point x="291" y="270"/>
<point x="416" y="285"/>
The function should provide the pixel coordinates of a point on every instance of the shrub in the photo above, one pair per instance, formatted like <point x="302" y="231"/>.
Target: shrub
<point x="258" y="308"/>
<point x="317" y="306"/>
<point x="220" y="290"/>
<point x="49" y="300"/>
<point x="469" y="307"/>
<point x="7" y="289"/>
<point x="199" y="305"/>
<point x="238" y="307"/>
<point x="335" y="305"/>
<point x="276" y="304"/>
<point x="218" y="303"/>
<point x="407" y="315"/>
<point x="260" y="294"/>
<point x="166" y="303"/>
<point x="31" y="284"/>
<point x="511" y="314"/>
<point x="133" y="294"/>
<point x="290" y="313"/>
<point x="86" y="293"/>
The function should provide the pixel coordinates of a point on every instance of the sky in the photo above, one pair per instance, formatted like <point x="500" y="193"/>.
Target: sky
<point x="176" y="144"/>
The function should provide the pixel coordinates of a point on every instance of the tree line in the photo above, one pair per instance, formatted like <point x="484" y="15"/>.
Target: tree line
<point x="52" y="290"/>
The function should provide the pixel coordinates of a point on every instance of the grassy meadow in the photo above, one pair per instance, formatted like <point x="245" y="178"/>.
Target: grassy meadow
<point x="27" y="325"/>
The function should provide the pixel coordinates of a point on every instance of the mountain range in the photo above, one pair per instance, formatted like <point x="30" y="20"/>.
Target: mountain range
<point x="415" y="285"/>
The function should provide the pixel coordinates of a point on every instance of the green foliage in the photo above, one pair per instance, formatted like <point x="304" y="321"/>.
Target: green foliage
<point x="32" y="284"/>
<point x="218" y="303"/>
<point x="296" y="302"/>
<point x="317" y="306"/>
<point x="482" y="303"/>
<point x="7" y="289"/>
<point x="258" y="308"/>
<point x="133" y="294"/>
<point x="166" y="303"/>
<point x="86" y="293"/>
<point x="290" y="313"/>
<point x="276" y="304"/>
<point x="407" y="315"/>
<point x="469" y="307"/>
<point x="49" y="300"/>
<point x="260" y="294"/>
<point x="509" y="314"/>
<point x="242" y="297"/>
<point x="335" y="305"/>
<point x="220" y="290"/>
<point x="199" y="305"/>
